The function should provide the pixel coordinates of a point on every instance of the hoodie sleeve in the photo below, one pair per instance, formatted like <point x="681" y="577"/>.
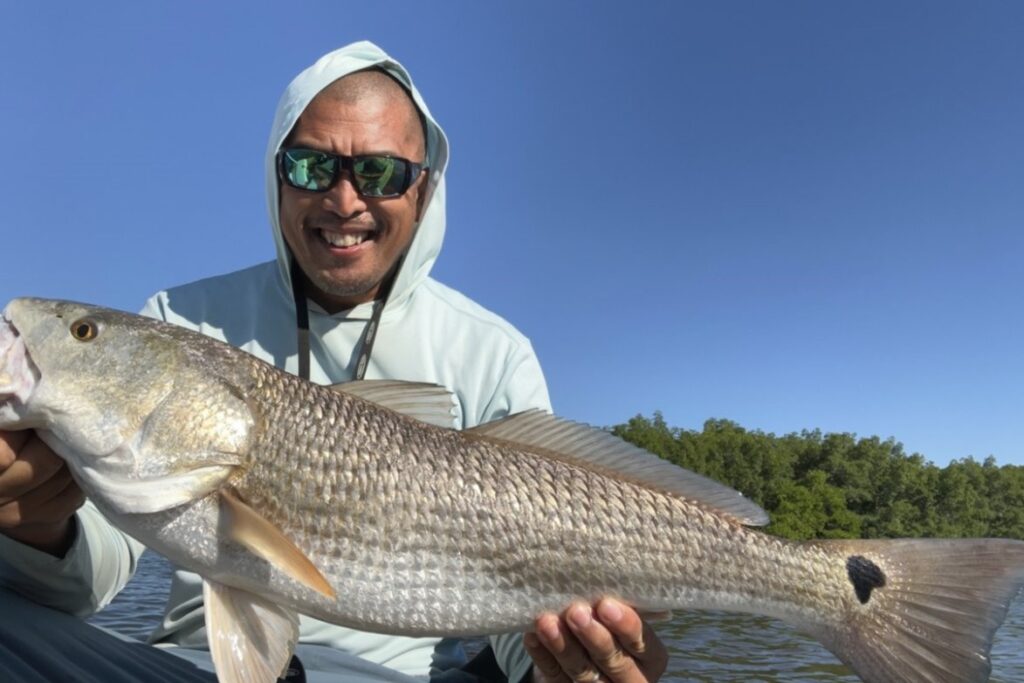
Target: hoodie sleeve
<point x="521" y="386"/>
<point x="96" y="567"/>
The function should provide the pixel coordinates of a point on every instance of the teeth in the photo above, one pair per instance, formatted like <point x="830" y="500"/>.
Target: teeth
<point x="348" y="239"/>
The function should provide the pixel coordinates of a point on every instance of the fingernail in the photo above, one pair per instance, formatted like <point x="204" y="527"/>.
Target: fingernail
<point x="530" y="641"/>
<point x="548" y="627"/>
<point x="609" y="611"/>
<point x="579" y="616"/>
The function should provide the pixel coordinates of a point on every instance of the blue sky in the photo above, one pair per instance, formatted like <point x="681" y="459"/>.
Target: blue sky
<point x="792" y="215"/>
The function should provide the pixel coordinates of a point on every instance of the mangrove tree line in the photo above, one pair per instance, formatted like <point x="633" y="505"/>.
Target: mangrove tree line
<point x="818" y="485"/>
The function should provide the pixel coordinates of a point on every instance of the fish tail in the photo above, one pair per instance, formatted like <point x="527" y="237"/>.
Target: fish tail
<point x="923" y="610"/>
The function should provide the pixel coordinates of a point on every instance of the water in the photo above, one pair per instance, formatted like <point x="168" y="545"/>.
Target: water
<point x="705" y="647"/>
<point x="138" y="609"/>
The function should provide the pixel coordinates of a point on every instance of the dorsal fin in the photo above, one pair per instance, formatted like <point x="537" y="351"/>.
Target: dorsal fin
<point x="430" y="403"/>
<point x="597" y="449"/>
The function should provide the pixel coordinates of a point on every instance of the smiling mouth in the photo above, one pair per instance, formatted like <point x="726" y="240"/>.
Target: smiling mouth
<point x="346" y="240"/>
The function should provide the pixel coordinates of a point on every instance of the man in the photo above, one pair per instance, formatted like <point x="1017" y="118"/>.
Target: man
<point x="355" y="186"/>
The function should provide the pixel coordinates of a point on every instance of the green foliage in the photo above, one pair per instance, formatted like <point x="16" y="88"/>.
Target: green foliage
<point x="818" y="485"/>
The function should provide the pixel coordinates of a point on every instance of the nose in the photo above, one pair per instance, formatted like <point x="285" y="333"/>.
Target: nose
<point x="342" y="198"/>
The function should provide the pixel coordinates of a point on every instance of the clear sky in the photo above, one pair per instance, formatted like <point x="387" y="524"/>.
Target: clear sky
<point x="791" y="215"/>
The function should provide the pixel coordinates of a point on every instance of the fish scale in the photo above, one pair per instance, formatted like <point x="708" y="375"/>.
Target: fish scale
<point x="486" y="536"/>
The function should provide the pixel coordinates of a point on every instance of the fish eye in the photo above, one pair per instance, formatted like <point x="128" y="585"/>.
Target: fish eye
<point x="84" y="329"/>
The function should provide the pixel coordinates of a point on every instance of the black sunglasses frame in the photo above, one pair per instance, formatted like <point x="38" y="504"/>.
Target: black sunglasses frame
<point x="346" y="163"/>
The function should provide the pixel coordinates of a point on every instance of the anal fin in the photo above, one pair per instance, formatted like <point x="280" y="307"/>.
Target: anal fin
<point x="251" y="639"/>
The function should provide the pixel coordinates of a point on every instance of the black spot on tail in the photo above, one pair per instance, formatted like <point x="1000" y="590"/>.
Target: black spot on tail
<point x="865" y="576"/>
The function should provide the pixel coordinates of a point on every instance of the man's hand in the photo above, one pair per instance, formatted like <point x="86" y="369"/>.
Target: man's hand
<point x="609" y="642"/>
<point x="38" y="497"/>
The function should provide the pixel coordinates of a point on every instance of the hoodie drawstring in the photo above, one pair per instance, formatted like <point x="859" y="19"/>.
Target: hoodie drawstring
<point x="301" y="319"/>
<point x="369" y="334"/>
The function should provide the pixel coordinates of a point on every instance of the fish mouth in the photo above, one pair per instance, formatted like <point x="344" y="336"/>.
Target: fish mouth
<point x="18" y="374"/>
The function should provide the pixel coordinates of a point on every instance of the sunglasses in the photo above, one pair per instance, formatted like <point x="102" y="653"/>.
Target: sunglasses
<point x="373" y="175"/>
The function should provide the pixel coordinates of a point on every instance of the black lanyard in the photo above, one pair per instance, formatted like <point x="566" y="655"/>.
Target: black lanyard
<point x="369" y="334"/>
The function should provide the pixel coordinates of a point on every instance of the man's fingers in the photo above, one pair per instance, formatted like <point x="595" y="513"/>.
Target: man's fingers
<point x="35" y="464"/>
<point x="635" y="636"/>
<point x="572" y="658"/>
<point x="624" y="623"/>
<point x="545" y="666"/>
<point x="10" y="444"/>
<point x="53" y="501"/>
<point x="58" y="499"/>
<point x="601" y="644"/>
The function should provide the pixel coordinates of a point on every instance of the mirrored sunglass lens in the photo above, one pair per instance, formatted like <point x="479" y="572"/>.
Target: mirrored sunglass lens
<point x="309" y="170"/>
<point x="379" y="176"/>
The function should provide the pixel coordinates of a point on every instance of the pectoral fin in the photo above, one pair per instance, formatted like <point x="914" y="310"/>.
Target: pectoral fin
<point x="250" y="529"/>
<point x="251" y="639"/>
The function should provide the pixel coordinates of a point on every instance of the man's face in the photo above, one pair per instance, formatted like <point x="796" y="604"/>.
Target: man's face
<point x="317" y="226"/>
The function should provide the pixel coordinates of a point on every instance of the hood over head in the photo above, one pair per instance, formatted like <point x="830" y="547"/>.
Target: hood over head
<point x="426" y="243"/>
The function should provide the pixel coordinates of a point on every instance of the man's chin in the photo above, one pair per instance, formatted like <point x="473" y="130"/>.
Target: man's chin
<point x="335" y="292"/>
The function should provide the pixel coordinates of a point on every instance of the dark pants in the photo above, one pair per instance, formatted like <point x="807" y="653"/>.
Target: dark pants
<point x="38" y="644"/>
<point x="41" y="644"/>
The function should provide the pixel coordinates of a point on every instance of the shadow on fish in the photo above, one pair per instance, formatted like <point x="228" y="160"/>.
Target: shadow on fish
<point x="359" y="504"/>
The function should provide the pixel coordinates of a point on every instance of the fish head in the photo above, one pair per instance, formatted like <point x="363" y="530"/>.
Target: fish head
<point x="135" y="406"/>
<point x="89" y="374"/>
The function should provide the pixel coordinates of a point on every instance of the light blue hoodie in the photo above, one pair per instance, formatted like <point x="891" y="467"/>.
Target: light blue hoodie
<point x="428" y="332"/>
